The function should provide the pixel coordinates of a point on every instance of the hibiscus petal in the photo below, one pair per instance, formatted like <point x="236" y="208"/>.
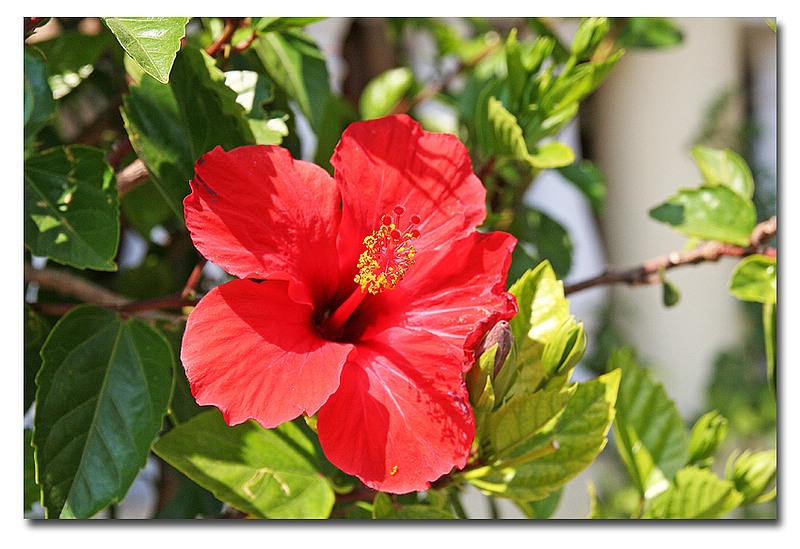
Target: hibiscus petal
<point x="253" y="352"/>
<point x="400" y="417"/>
<point x="391" y="161"/>
<point x="457" y="292"/>
<point x="258" y="213"/>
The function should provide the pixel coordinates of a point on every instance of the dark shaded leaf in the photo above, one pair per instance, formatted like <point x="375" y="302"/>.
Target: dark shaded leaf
<point x="103" y="391"/>
<point x="71" y="209"/>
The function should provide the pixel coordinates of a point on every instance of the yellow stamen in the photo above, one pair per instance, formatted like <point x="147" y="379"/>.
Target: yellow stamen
<point x="387" y="255"/>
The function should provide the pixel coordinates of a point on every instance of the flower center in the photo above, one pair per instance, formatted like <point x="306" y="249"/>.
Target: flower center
<point x="388" y="253"/>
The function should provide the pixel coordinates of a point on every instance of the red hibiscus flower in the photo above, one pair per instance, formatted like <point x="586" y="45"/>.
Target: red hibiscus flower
<point x="360" y="297"/>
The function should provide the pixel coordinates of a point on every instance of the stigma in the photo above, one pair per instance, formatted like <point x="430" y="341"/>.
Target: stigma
<point x="388" y="253"/>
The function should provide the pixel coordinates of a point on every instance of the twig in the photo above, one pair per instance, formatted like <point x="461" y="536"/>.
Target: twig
<point x="68" y="284"/>
<point x="130" y="177"/>
<point x="649" y="271"/>
<point x="84" y="291"/>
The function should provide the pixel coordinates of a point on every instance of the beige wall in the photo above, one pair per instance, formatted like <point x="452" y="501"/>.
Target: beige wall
<point x="642" y="123"/>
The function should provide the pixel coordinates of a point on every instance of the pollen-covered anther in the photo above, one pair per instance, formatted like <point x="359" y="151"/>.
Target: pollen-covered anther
<point x="388" y="253"/>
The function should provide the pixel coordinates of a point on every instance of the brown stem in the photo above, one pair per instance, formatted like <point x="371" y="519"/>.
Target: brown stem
<point x="231" y="24"/>
<point x="649" y="271"/>
<point x="194" y="278"/>
<point x="130" y="177"/>
<point x="85" y="291"/>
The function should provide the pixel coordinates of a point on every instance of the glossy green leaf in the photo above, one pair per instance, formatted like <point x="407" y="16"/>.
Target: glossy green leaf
<point x="512" y="430"/>
<point x="103" y="391"/>
<point x="384" y="508"/>
<point x="707" y="435"/>
<point x="71" y="209"/>
<point x="574" y="443"/>
<point x="695" y="494"/>
<point x="269" y="473"/>
<point x="753" y="474"/>
<point x="150" y="41"/>
<point x="650" y="434"/>
<point x="724" y="167"/>
<point x="171" y="125"/>
<point x="384" y="92"/>
<point x="755" y="278"/>
<point x="710" y="212"/>
<point x="38" y="102"/>
<point x="298" y="67"/>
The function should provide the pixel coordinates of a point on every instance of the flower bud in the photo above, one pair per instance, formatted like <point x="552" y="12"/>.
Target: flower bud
<point x="753" y="473"/>
<point x="501" y="335"/>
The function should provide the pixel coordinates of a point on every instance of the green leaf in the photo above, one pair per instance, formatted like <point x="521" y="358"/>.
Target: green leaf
<point x="576" y="440"/>
<point x="71" y="57"/>
<point x="35" y="329"/>
<point x="769" y="321"/>
<point x="753" y="474"/>
<point x="588" y="36"/>
<point x="710" y="212"/>
<point x="512" y="429"/>
<point x="755" y="278"/>
<point x="38" y="102"/>
<point x="71" y="209"/>
<point x="269" y="473"/>
<point x="103" y="391"/>
<point x="590" y="180"/>
<point x="695" y="494"/>
<point x="31" y="489"/>
<point x="540" y="238"/>
<point x="150" y="41"/>
<point x="171" y="125"/>
<point x="298" y="67"/>
<point x="506" y="139"/>
<point x="649" y="32"/>
<point x="543" y="323"/>
<point x="274" y="24"/>
<point x="551" y="155"/>
<point x="384" y="508"/>
<point x="707" y="436"/>
<point x="724" y="167"/>
<point x="384" y="91"/>
<point x="571" y="87"/>
<point x="541" y="508"/>
<point x="650" y="434"/>
<point x="670" y="295"/>
<point x="338" y="115"/>
<point x="517" y="75"/>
